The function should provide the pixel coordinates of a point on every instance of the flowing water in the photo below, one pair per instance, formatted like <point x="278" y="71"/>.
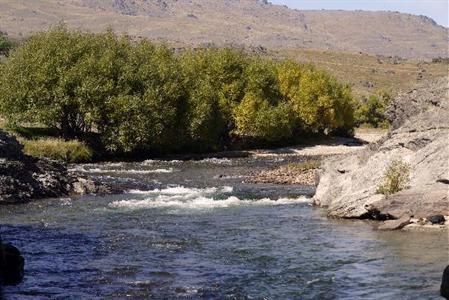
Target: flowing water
<point x="196" y="231"/>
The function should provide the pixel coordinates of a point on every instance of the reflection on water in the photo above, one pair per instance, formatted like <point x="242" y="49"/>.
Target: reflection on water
<point x="200" y="233"/>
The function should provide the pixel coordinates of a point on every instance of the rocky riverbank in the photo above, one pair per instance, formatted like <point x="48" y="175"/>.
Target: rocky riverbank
<point x="23" y="178"/>
<point x="349" y="184"/>
<point x="305" y="173"/>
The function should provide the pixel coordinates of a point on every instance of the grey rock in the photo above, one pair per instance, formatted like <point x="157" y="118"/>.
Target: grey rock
<point x="420" y="137"/>
<point x="395" y="224"/>
<point x="23" y="178"/>
<point x="26" y="178"/>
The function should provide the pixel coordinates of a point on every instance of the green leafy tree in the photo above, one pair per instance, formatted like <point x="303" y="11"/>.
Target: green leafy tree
<point x="41" y="81"/>
<point x="256" y="118"/>
<point x="148" y="111"/>
<point x="320" y="102"/>
<point x="215" y="83"/>
<point x="263" y="114"/>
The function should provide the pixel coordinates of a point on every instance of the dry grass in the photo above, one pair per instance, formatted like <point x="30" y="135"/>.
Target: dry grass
<point x="67" y="151"/>
<point x="304" y="166"/>
<point x="249" y="23"/>
<point x="368" y="74"/>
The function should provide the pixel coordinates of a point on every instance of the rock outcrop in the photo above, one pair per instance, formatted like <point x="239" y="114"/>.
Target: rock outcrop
<point x="420" y="138"/>
<point x="23" y="177"/>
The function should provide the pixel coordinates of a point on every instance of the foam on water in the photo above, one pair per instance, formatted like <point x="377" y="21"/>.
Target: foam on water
<point x="195" y="199"/>
<point x="150" y="162"/>
<point x="216" y="161"/>
<point x="184" y="191"/>
<point x="85" y="169"/>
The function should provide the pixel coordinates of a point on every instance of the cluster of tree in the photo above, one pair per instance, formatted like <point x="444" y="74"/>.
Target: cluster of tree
<point x="139" y="96"/>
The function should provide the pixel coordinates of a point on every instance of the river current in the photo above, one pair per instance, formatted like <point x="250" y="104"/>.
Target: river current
<point x="197" y="231"/>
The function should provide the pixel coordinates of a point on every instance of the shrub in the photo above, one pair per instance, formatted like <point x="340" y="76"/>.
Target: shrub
<point x="396" y="178"/>
<point x="5" y="44"/>
<point x="371" y="112"/>
<point x="67" y="151"/>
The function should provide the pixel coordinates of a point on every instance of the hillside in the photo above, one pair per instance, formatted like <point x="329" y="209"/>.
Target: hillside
<point x="236" y="22"/>
<point x="368" y="74"/>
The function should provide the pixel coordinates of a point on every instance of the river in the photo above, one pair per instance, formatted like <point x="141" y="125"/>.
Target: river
<point x="196" y="231"/>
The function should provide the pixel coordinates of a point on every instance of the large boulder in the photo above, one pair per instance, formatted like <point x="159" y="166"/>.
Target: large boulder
<point x="420" y="137"/>
<point x="23" y="177"/>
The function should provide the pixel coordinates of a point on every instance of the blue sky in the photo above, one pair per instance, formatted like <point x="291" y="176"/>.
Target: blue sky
<point x="436" y="9"/>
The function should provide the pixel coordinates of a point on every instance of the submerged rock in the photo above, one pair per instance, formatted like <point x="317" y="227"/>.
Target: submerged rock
<point x="420" y="137"/>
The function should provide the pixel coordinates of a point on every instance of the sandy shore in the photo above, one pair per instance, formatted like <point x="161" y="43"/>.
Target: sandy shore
<point x="331" y="146"/>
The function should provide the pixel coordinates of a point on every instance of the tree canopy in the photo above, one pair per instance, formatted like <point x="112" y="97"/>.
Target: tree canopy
<point x="140" y="96"/>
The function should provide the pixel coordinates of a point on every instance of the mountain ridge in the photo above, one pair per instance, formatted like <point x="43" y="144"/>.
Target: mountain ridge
<point x="236" y="22"/>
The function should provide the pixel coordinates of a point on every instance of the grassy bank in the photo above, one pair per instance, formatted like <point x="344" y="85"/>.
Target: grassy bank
<point x="71" y="151"/>
<point x="42" y="142"/>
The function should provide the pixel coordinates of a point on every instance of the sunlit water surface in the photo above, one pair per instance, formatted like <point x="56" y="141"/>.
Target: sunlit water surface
<point x="197" y="232"/>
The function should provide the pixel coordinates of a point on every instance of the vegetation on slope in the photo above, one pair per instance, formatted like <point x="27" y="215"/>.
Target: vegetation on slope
<point x="5" y="44"/>
<point x="396" y="178"/>
<point x="369" y="75"/>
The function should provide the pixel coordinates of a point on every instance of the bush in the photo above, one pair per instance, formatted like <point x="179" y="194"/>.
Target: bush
<point x="371" y="112"/>
<point x="396" y="178"/>
<point x="141" y="97"/>
<point x="5" y="44"/>
<point x="57" y="149"/>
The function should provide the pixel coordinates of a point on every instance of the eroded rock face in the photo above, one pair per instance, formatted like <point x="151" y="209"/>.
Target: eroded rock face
<point x="420" y="137"/>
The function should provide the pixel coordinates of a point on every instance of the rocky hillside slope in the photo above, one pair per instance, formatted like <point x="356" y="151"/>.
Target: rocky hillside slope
<point x="420" y="138"/>
<point x="236" y="22"/>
